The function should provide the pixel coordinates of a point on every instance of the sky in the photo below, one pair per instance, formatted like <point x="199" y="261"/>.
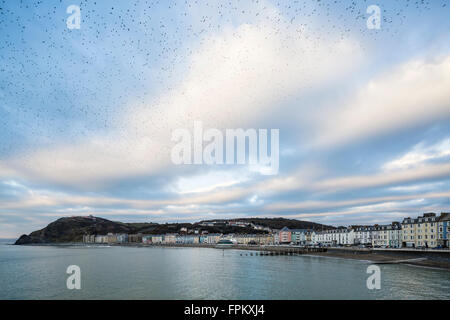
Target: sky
<point x="86" y="115"/>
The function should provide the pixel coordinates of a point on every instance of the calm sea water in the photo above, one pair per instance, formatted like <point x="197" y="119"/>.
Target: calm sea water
<point x="200" y="273"/>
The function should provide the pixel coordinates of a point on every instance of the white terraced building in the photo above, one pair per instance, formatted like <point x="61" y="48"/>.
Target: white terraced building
<point x="339" y="236"/>
<point x="363" y="234"/>
<point x="387" y="235"/>
<point x="321" y="237"/>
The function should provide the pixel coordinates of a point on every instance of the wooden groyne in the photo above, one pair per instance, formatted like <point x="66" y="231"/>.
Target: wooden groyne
<point x="282" y="251"/>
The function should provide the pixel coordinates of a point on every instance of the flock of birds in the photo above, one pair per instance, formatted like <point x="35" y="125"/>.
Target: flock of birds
<point x="125" y="50"/>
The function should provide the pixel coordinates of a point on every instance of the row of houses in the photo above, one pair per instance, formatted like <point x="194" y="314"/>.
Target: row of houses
<point x="251" y="239"/>
<point x="174" y="238"/>
<point x="377" y="236"/>
<point x="109" y="238"/>
<point x="428" y="230"/>
<point x="294" y="236"/>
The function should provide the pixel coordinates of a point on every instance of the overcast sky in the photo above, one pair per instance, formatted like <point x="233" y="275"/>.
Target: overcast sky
<point x="86" y="114"/>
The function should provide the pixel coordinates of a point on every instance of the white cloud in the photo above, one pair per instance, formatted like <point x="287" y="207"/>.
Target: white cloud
<point x="235" y="79"/>
<point x="418" y="187"/>
<point x="416" y="92"/>
<point x="210" y="181"/>
<point x="359" y="202"/>
<point x="381" y="210"/>
<point x="425" y="172"/>
<point x="420" y="154"/>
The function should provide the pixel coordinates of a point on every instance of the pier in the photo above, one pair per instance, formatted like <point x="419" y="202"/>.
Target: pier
<point x="261" y="250"/>
<point x="279" y="250"/>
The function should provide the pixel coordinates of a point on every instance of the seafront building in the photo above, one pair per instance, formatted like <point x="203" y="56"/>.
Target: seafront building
<point x="170" y="238"/>
<point x="246" y="239"/>
<point x="147" y="239"/>
<point x="157" y="238"/>
<point x="284" y="236"/>
<point x="334" y="237"/>
<point x="427" y="231"/>
<point x="301" y="236"/>
<point x="444" y="230"/>
<point x="213" y="238"/>
<point x="377" y="236"/>
<point x="321" y="237"/>
<point x="187" y="239"/>
<point x="387" y="235"/>
<point x="135" y="238"/>
<point x="111" y="238"/>
<point x="363" y="234"/>
<point x="122" y="238"/>
<point x="89" y="238"/>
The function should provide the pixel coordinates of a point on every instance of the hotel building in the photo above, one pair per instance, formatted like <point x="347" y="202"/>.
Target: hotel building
<point x="420" y="232"/>
<point x="387" y="235"/>
<point x="444" y="229"/>
<point x="363" y="234"/>
<point x="284" y="236"/>
<point x="301" y="236"/>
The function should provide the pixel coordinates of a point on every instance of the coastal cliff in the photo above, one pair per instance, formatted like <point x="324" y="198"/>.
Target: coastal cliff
<point x="72" y="230"/>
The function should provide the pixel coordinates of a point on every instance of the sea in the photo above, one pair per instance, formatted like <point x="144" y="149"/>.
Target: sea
<point x="114" y="272"/>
